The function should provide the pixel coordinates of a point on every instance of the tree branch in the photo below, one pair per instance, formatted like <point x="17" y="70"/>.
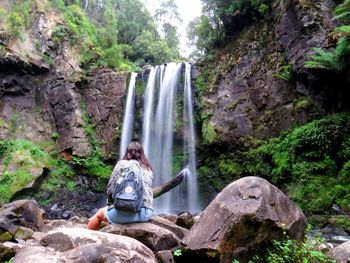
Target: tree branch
<point x="158" y="191"/>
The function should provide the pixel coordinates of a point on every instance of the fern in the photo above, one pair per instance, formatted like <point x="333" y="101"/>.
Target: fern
<point x="342" y="29"/>
<point x="342" y="11"/>
<point x="336" y="59"/>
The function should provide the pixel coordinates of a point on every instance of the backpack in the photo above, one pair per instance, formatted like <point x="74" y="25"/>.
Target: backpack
<point x="128" y="194"/>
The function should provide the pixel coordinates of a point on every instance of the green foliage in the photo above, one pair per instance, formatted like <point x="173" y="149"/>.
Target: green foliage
<point x="55" y="136"/>
<point x="19" y="158"/>
<point x="93" y="163"/>
<point x="336" y="59"/>
<point x="342" y="221"/>
<point x="209" y="133"/>
<point x="10" y="261"/>
<point x="293" y="251"/>
<point x="222" y="19"/>
<point x="62" y="169"/>
<point x="58" y="33"/>
<point x="178" y="252"/>
<point x="16" y="24"/>
<point x="342" y="11"/>
<point x="106" y="35"/>
<point x="285" y="71"/>
<point x="313" y="160"/>
<point x="19" y="18"/>
<point x="70" y="186"/>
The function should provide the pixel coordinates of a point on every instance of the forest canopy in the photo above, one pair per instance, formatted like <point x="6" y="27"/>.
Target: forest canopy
<point x="119" y="34"/>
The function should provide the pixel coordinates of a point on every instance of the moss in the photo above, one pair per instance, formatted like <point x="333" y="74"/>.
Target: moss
<point x="319" y="221"/>
<point x="139" y="87"/>
<point x="311" y="161"/>
<point x="21" y="156"/>
<point x="342" y="221"/>
<point x="6" y="236"/>
<point x="2" y="51"/>
<point x="178" y="161"/>
<point x="302" y="103"/>
<point x="209" y="133"/>
<point x="233" y="105"/>
<point x="93" y="164"/>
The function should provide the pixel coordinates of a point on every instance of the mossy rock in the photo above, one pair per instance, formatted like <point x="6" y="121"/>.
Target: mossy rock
<point x="6" y="236"/>
<point x="341" y="221"/>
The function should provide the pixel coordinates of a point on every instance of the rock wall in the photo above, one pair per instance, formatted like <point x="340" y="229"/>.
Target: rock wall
<point x="247" y="97"/>
<point x="54" y="102"/>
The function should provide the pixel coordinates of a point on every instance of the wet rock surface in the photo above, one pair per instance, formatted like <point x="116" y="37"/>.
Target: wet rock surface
<point x="246" y="214"/>
<point x="249" y="97"/>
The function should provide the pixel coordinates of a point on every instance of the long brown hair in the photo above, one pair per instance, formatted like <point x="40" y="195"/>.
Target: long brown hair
<point x="134" y="151"/>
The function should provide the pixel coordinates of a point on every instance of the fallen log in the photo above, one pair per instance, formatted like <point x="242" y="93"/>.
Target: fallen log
<point x="159" y="190"/>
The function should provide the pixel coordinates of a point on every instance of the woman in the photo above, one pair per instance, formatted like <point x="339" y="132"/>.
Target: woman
<point x="134" y="154"/>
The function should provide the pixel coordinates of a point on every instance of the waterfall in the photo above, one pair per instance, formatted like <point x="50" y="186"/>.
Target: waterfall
<point x="128" y="119"/>
<point x="167" y="101"/>
<point x="163" y="135"/>
<point x="189" y="142"/>
<point x="148" y="113"/>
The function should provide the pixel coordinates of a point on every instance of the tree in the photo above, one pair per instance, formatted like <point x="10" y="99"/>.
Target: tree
<point x="168" y="20"/>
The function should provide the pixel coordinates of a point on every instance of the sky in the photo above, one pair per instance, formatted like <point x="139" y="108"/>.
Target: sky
<point x="189" y="10"/>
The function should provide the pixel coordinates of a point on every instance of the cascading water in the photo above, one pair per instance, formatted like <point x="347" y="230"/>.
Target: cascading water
<point x="165" y="85"/>
<point x="128" y="119"/>
<point x="189" y="142"/>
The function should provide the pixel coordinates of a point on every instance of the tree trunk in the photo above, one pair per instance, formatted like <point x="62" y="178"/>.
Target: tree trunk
<point x="158" y="191"/>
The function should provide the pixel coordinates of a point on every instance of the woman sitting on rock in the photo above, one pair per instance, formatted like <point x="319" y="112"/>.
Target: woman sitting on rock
<point x="134" y="156"/>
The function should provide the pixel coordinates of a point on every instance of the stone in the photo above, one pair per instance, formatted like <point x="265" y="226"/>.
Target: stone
<point x="85" y="246"/>
<point x="165" y="256"/>
<point x="164" y="223"/>
<point x="154" y="237"/>
<point x="8" y="250"/>
<point x="247" y="214"/>
<point x="342" y="253"/>
<point x="185" y="220"/>
<point x="23" y="233"/>
<point x="24" y="213"/>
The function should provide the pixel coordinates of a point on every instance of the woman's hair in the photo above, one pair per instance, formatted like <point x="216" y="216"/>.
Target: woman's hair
<point x="134" y="151"/>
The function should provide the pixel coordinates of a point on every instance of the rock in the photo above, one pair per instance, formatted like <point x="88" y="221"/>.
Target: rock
<point x="23" y="233"/>
<point x="83" y="245"/>
<point x="247" y="214"/>
<point x="164" y="223"/>
<point x="185" y="220"/>
<point x="104" y="96"/>
<point x="342" y="253"/>
<point x="165" y="256"/>
<point x="153" y="236"/>
<point x="64" y="104"/>
<point x="8" y="250"/>
<point x="18" y="214"/>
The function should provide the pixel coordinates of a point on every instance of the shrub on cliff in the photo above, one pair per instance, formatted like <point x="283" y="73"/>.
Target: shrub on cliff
<point x="336" y="59"/>
<point x="311" y="161"/>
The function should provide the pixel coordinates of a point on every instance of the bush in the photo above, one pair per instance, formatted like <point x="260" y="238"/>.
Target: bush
<point x="297" y="252"/>
<point x="22" y="155"/>
<point x="311" y="161"/>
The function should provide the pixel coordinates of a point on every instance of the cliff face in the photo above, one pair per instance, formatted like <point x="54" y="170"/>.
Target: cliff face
<point x="44" y="95"/>
<point x="260" y="86"/>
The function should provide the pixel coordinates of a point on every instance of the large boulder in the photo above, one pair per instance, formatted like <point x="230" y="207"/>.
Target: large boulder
<point x="154" y="237"/>
<point x="83" y="245"/>
<point x="246" y="215"/>
<point x="342" y="253"/>
<point x="18" y="214"/>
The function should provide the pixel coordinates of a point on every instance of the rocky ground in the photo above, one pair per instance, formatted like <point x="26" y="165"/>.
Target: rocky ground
<point x="242" y="219"/>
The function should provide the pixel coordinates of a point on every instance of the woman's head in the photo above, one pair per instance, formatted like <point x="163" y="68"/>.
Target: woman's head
<point x="134" y="151"/>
